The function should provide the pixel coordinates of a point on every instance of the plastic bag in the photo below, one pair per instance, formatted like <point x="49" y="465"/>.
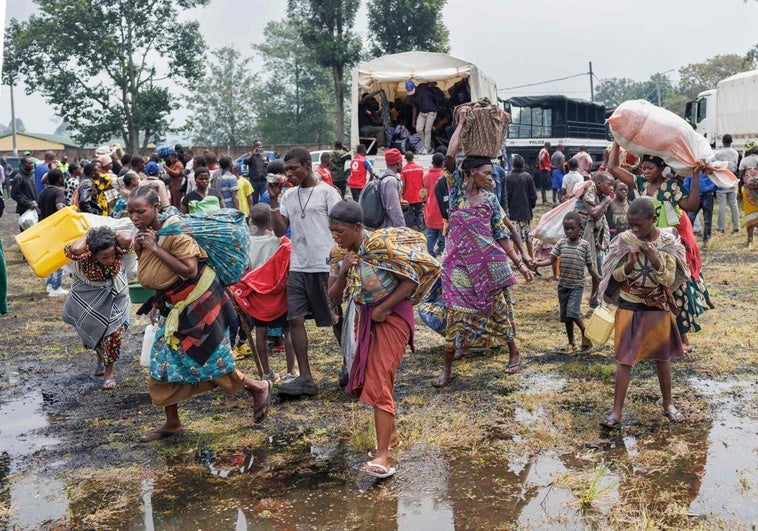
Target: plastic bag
<point x="550" y="227"/>
<point x="645" y="129"/>
<point x="28" y="219"/>
<point x="147" y="345"/>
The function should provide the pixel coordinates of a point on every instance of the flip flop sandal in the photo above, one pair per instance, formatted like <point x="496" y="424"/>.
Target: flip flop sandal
<point x="260" y="412"/>
<point x="109" y="384"/>
<point x="513" y="368"/>
<point x="374" y="450"/>
<point x="158" y="433"/>
<point x="675" y="417"/>
<point x="610" y="423"/>
<point x="441" y="381"/>
<point x="385" y="471"/>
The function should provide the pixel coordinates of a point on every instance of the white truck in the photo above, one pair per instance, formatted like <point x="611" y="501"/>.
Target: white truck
<point x="390" y="72"/>
<point x="732" y="107"/>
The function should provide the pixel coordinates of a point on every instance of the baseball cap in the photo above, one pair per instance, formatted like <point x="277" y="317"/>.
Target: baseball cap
<point x="410" y="87"/>
<point x="152" y="168"/>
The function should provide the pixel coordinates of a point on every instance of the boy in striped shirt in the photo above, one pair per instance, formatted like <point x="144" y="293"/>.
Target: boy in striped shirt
<point x="574" y="254"/>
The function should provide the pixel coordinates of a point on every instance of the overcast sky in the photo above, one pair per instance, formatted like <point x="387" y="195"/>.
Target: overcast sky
<point x="515" y="42"/>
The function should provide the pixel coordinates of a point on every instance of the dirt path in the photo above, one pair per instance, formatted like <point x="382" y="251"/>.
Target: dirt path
<point x="489" y="451"/>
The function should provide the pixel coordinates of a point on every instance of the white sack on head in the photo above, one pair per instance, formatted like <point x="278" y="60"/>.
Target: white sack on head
<point x="645" y="129"/>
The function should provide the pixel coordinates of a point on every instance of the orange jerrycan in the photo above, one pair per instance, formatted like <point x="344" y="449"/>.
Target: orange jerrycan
<point x="42" y="244"/>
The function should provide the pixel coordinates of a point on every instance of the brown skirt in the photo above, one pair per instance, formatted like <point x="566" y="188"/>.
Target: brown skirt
<point x="167" y="394"/>
<point x="647" y="334"/>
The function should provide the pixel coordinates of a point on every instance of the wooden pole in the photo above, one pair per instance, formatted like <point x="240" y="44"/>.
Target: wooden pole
<point x="248" y="332"/>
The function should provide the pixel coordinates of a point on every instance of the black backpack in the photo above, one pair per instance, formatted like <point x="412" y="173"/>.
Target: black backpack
<point x="372" y="204"/>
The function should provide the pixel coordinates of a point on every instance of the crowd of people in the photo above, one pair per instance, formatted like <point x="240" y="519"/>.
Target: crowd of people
<point x="457" y="234"/>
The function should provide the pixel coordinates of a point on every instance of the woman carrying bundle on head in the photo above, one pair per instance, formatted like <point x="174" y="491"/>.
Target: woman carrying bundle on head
<point x="475" y="270"/>
<point x="191" y="353"/>
<point x="671" y="200"/>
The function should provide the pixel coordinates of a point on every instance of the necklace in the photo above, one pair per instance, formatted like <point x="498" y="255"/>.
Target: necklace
<point x="303" y="207"/>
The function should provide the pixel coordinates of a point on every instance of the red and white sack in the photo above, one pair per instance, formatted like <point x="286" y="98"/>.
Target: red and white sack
<point x="645" y="129"/>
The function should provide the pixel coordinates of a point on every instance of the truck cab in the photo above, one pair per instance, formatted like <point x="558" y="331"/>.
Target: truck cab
<point x="701" y="114"/>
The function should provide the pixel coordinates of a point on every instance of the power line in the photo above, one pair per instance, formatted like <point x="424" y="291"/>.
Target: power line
<point x="543" y="82"/>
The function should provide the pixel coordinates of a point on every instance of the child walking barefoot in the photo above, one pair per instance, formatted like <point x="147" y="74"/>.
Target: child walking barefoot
<point x="643" y="266"/>
<point x="574" y="253"/>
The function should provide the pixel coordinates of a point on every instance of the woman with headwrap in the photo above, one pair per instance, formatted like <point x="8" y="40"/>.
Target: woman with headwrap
<point x="748" y="172"/>
<point x="385" y="272"/>
<point x="671" y="201"/>
<point x="475" y="273"/>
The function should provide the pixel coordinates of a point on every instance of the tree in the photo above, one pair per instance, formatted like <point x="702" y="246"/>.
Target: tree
<point x="326" y="29"/>
<point x="614" y="90"/>
<point x="103" y="64"/>
<point x="20" y="127"/>
<point x="403" y="25"/>
<point x="294" y="102"/>
<point x="698" y="77"/>
<point x="222" y="102"/>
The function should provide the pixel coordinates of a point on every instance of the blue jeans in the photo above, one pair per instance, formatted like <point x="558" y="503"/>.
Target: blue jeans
<point x="259" y="188"/>
<point x="434" y="238"/>
<point x="55" y="279"/>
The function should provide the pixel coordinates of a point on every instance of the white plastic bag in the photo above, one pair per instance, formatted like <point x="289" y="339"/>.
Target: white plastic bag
<point x="550" y="227"/>
<point x="147" y="345"/>
<point x="28" y="219"/>
<point x="645" y="129"/>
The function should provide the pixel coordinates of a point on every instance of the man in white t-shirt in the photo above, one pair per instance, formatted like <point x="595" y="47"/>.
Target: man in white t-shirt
<point x="728" y="195"/>
<point x="571" y="179"/>
<point x="305" y="209"/>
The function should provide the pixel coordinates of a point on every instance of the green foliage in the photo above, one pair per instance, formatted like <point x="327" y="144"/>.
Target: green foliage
<point x="325" y="27"/>
<point x="16" y="39"/>
<point x="100" y="63"/>
<point x="404" y="25"/>
<point x="295" y="104"/>
<point x="698" y="77"/>
<point x="222" y="102"/>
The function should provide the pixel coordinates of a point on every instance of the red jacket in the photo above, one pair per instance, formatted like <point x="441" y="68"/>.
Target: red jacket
<point x="413" y="176"/>
<point x="432" y="214"/>
<point x="262" y="292"/>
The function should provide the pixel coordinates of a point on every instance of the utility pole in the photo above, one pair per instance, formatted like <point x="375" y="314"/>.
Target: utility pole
<point x="13" y="124"/>
<point x="592" y="85"/>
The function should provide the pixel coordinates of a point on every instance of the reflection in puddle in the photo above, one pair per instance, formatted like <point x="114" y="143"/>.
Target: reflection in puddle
<point x="731" y="474"/>
<point x="28" y="498"/>
<point x="225" y="464"/>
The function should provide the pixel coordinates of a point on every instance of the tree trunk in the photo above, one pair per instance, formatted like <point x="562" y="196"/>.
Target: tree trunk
<point x="337" y="75"/>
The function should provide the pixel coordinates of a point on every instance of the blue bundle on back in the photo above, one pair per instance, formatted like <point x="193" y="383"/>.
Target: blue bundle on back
<point x="223" y="235"/>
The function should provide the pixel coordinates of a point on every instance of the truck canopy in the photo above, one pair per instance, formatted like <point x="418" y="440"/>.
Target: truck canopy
<point x="390" y="72"/>
<point x="737" y="105"/>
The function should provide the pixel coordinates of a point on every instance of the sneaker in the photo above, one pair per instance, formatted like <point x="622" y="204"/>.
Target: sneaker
<point x="289" y="377"/>
<point x="48" y="288"/>
<point x="297" y="387"/>
<point x="60" y="292"/>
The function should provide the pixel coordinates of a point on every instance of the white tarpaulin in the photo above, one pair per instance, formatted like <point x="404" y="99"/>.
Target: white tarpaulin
<point x="390" y="72"/>
<point x="737" y="104"/>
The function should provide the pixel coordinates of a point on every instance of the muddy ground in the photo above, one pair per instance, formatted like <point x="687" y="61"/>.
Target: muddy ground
<point x="491" y="451"/>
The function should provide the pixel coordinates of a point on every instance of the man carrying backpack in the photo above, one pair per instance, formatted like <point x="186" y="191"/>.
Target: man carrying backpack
<point x="380" y="199"/>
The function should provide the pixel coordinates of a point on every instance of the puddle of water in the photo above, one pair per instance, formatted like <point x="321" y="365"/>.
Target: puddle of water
<point x="728" y="486"/>
<point x="225" y="464"/>
<point x="34" y="496"/>
<point x="19" y="419"/>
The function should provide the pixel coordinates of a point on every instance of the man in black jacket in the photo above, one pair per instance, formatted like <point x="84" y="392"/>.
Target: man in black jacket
<point x="24" y="190"/>
<point x="522" y="197"/>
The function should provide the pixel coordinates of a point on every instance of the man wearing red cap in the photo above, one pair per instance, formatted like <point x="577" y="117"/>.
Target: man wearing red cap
<point x="390" y="188"/>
